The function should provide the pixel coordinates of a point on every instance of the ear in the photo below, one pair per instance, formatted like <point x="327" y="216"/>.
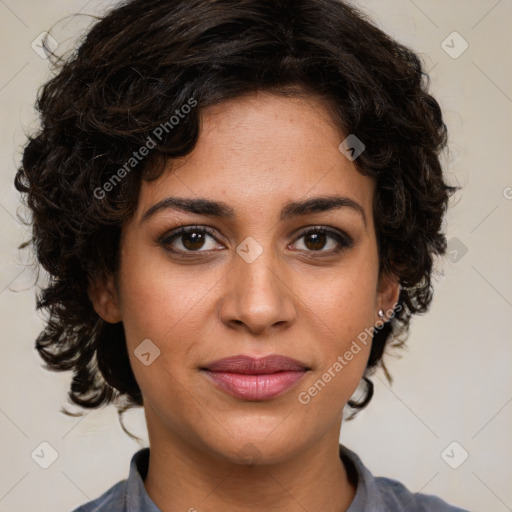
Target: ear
<point x="105" y="299"/>
<point x="388" y="291"/>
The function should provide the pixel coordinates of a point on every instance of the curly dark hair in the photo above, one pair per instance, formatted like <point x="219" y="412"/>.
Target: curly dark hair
<point x="135" y="68"/>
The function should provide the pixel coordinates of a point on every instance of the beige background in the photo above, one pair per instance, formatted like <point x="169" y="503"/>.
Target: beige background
<point x="453" y="384"/>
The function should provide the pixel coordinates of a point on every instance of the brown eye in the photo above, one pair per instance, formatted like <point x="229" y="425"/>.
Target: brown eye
<point x="193" y="240"/>
<point x="315" y="241"/>
<point x="189" y="239"/>
<point x="317" y="238"/>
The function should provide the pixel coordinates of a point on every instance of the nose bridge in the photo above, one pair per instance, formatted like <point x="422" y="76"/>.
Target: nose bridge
<point x="256" y="265"/>
<point x="257" y="296"/>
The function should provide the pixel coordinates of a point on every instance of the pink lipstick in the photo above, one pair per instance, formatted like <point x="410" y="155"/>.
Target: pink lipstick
<point x="250" y="378"/>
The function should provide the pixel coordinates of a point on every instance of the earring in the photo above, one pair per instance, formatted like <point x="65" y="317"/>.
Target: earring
<point x="381" y="313"/>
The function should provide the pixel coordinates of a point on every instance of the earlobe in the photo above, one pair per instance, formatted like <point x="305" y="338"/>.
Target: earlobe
<point x="104" y="298"/>
<point x="388" y="293"/>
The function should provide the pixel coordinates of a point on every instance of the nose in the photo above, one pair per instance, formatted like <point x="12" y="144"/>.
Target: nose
<point x="256" y="297"/>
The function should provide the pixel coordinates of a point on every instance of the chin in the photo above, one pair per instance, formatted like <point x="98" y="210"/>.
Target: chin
<point x="258" y="448"/>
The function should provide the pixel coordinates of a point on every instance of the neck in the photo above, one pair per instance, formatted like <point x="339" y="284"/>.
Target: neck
<point x="182" y="476"/>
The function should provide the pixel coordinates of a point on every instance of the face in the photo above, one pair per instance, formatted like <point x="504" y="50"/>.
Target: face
<point x="263" y="279"/>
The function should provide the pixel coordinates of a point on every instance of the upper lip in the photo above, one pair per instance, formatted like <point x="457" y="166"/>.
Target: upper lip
<point x="252" y="366"/>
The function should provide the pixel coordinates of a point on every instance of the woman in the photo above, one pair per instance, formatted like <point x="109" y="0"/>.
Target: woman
<point x="238" y="204"/>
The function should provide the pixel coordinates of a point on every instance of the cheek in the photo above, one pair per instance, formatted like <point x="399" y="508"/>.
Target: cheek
<point x="345" y="319"/>
<point x="162" y="305"/>
<point x="157" y="297"/>
<point x="345" y="300"/>
<point x="343" y="310"/>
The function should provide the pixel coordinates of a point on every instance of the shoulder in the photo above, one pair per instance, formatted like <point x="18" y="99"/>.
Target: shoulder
<point x="379" y="494"/>
<point x="397" y="496"/>
<point x="113" y="499"/>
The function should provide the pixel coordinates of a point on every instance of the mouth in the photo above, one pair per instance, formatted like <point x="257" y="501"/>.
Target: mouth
<point x="253" y="379"/>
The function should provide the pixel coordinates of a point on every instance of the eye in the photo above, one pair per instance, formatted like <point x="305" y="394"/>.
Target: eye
<point x="316" y="239"/>
<point x="189" y="238"/>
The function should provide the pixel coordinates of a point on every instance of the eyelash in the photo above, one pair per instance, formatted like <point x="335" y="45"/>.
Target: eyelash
<point x="343" y="240"/>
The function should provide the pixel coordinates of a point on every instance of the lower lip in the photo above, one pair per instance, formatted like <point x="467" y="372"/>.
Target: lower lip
<point x="255" y="387"/>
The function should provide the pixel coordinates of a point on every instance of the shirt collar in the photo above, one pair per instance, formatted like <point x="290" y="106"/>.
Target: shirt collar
<point x="137" y="498"/>
<point x="368" y="496"/>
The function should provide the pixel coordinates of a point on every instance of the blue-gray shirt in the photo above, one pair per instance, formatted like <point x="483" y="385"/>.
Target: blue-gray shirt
<point x="372" y="494"/>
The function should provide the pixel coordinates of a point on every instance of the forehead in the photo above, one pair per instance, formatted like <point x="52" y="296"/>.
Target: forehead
<point x="261" y="151"/>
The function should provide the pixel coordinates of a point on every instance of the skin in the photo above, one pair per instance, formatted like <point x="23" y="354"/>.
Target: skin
<point x="297" y="298"/>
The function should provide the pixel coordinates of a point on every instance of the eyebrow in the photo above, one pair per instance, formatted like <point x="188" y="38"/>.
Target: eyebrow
<point x="203" y="206"/>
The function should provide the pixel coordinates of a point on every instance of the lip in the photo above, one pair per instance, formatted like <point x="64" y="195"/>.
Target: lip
<point x="252" y="378"/>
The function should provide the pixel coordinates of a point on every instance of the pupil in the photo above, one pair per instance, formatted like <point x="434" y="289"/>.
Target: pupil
<point x="320" y="240"/>
<point x="197" y="240"/>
